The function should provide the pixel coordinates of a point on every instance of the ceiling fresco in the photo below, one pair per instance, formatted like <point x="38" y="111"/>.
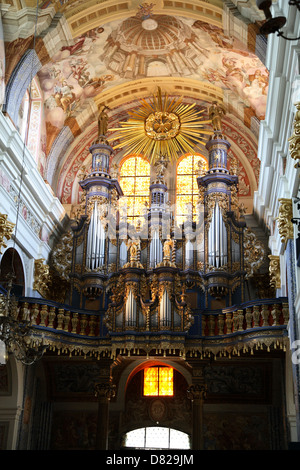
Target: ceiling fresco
<point x="118" y="53"/>
<point x="146" y="46"/>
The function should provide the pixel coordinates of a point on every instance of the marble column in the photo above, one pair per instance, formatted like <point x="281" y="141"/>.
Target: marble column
<point x="104" y="391"/>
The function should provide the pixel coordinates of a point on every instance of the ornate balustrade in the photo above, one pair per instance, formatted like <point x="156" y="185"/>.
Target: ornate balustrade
<point x="84" y="332"/>
<point x="246" y="318"/>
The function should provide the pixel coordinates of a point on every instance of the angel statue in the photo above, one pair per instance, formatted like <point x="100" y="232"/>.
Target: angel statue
<point x="102" y="120"/>
<point x="216" y="112"/>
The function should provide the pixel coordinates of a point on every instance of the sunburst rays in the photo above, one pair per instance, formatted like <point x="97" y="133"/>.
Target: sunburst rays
<point x="163" y="125"/>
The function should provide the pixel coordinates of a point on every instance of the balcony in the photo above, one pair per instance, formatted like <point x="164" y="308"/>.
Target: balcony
<point x="257" y="325"/>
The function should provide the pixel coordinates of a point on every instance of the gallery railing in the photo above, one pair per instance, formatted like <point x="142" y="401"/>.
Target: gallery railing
<point x="257" y="324"/>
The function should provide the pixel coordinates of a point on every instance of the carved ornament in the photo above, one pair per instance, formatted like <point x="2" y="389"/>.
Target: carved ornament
<point x="197" y="392"/>
<point x="41" y="276"/>
<point x="105" y="390"/>
<point x="294" y="140"/>
<point x="274" y="270"/>
<point x="285" y="225"/>
<point x="254" y="253"/>
<point x="6" y="229"/>
<point x="61" y="257"/>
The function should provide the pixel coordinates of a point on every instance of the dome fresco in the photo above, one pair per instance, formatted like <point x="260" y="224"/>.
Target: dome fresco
<point x="135" y="52"/>
<point x="120" y="51"/>
<point x="152" y="34"/>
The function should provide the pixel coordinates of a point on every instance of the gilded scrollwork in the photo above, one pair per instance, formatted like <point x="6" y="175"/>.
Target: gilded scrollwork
<point x="294" y="140"/>
<point x="102" y="205"/>
<point x="6" y="230"/>
<point x="61" y="256"/>
<point x="154" y="287"/>
<point x="284" y="220"/>
<point x="254" y="253"/>
<point x="222" y="199"/>
<point x="42" y="278"/>
<point x="274" y="270"/>
<point x="165" y="286"/>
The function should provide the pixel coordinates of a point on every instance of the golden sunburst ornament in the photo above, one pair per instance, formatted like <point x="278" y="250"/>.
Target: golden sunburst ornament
<point x="162" y="126"/>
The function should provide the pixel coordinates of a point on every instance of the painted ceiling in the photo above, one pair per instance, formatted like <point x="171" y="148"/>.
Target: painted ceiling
<point x="158" y="46"/>
<point x="121" y="51"/>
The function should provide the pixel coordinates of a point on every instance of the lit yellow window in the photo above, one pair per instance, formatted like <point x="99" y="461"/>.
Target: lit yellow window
<point x="186" y="185"/>
<point x="135" y="183"/>
<point x="158" y="381"/>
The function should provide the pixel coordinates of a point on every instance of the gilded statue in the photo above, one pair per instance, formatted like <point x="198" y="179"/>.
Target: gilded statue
<point x="102" y="120"/>
<point x="201" y="167"/>
<point x="168" y="246"/>
<point x="216" y="112"/>
<point x="134" y="247"/>
<point x="161" y="166"/>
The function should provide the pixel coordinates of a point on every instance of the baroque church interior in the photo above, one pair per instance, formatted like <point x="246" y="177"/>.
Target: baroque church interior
<point x="149" y="213"/>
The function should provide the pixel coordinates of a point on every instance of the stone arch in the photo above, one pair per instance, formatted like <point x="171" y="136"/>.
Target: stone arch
<point x="141" y="411"/>
<point x="11" y="401"/>
<point x="141" y="363"/>
<point x="58" y="150"/>
<point x="19" y="81"/>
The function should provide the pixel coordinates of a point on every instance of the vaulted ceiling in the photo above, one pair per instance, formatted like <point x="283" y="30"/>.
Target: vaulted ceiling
<point x="117" y="52"/>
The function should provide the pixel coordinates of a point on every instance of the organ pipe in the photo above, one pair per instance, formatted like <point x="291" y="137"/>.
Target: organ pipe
<point x="217" y="239"/>
<point x="95" y="241"/>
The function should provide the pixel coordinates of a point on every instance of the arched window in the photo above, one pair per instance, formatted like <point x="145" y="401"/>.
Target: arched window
<point x="158" y="381"/>
<point x="186" y="185"/>
<point x="30" y="118"/>
<point x="11" y="261"/>
<point x="156" y="437"/>
<point x="135" y="182"/>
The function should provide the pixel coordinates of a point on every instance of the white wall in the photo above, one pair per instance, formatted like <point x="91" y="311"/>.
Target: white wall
<point x="278" y="176"/>
<point x="40" y="217"/>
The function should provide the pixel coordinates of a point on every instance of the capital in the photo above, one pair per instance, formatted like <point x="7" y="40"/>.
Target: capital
<point x="197" y="392"/>
<point x="105" y="390"/>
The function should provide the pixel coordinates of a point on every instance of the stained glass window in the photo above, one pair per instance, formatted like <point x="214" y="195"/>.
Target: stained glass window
<point x="186" y="186"/>
<point x="158" y="381"/>
<point x="135" y="182"/>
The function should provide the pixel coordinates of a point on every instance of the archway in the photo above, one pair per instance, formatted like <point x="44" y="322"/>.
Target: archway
<point x="12" y="263"/>
<point x="151" y="410"/>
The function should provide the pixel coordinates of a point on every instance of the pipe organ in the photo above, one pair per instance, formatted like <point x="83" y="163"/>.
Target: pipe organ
<point x="144" y="277"/>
